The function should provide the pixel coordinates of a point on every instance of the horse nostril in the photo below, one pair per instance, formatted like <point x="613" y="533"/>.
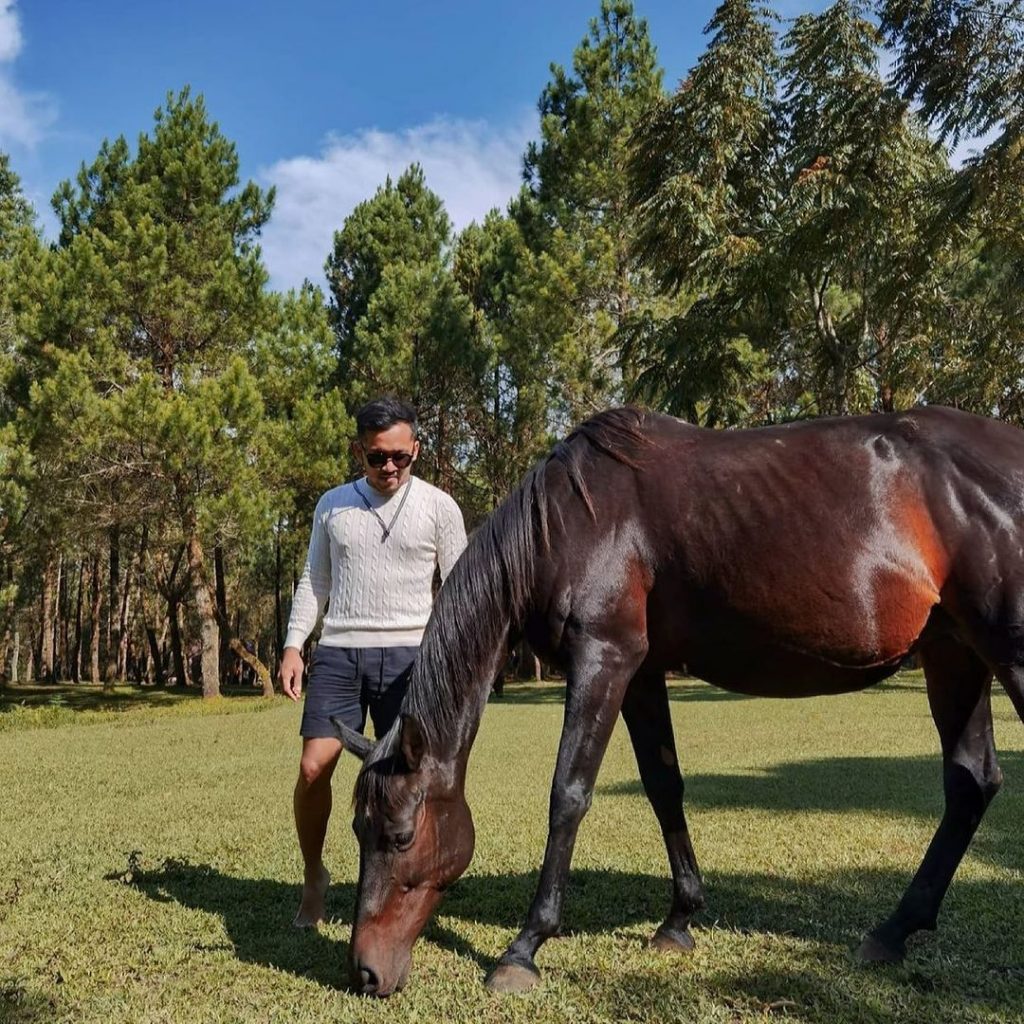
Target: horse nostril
<point x="367" y="980"/>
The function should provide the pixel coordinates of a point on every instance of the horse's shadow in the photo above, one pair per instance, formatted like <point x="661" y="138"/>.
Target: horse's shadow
<point x="257" y="912"/>
<point x="905" y="786"/>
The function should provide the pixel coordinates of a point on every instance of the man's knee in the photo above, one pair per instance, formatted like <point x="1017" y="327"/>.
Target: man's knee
<point x="316" y="766"/>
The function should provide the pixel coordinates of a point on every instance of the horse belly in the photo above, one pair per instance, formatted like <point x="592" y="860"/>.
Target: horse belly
<point x="778" y="672"/>
<point x="800" y="636"/>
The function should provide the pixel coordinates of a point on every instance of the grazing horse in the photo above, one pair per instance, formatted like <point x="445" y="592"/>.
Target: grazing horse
<point x="786" y="561"/>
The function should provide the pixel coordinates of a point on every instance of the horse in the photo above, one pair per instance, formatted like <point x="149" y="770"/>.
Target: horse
<point x="786" y="561"/>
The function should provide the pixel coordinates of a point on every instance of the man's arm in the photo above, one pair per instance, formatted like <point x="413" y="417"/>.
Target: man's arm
<point x="308" y="603"/>
<point x="450" y="538"/>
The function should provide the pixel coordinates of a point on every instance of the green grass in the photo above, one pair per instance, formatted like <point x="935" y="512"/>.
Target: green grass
<point x="149" y="873"/>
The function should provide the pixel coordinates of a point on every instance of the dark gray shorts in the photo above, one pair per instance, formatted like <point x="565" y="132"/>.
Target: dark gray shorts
<point x="345" y="682"/>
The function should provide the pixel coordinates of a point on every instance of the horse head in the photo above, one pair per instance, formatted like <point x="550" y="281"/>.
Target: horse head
<point x="416" y="837"/>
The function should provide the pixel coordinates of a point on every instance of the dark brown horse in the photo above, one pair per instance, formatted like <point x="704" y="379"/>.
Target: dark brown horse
<point x="786" y="562"/>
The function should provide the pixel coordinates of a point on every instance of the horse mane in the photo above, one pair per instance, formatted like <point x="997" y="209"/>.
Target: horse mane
<point x="487" y="595"/>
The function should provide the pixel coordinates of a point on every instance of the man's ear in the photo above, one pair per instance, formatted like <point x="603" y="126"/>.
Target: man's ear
<point x="415" y="449"/>
<point x="413" y="745"/>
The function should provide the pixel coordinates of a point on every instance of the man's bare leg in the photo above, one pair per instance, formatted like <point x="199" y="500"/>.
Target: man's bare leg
<point x="312" y="812"/>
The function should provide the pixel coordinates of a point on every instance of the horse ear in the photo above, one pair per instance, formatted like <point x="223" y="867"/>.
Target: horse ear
<point x="413" y="745"/>
<point x="354" y="742"/>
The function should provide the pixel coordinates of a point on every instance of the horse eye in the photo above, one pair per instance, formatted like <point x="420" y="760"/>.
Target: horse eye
<point x="403" y="840"/>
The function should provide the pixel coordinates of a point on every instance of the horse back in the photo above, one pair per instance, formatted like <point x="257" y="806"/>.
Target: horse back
<point x="818" y="549"/>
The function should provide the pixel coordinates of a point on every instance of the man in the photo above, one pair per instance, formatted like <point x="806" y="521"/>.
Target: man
<point x="372" y="552"/>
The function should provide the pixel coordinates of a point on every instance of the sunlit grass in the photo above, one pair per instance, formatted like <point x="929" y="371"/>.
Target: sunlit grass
<point x="148" y="869"/>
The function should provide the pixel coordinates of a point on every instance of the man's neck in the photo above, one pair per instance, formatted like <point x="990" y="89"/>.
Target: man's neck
<point x="375" y="493"/>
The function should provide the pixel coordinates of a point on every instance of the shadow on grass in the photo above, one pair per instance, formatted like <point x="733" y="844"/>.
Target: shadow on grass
<point x="554" y="693"/>
<point x="19" y="1006"/>
<point x="835" y="908"/>
<point x="682" y="690"/>
<point x="910" y="786"/>
<point x="90" y="697"/>
<point x="257" y="915"/>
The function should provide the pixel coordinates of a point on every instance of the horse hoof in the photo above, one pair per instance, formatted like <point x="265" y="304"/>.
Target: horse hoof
<point x="512" y="978"/>
<point x="874" y="951"/>
<point x="671" y="940"/>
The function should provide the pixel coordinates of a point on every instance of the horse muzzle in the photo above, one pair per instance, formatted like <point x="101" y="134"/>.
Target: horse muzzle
<point x="371" y="978"/>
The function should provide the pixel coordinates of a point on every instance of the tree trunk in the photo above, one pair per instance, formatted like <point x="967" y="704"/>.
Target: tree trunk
<point x="238" y="648"/>
<point x="15" y="655"/>
<point x="278" y="619"/>
<point x="47" y="623"/>
<point x="94" y="621"/>
<point x="177" y="651"/>
<point x="113" y="608"/>
<point x="224" y="653"/>
<point x="60" y="630"/>
<point x="30" y="664"/>
<point x="126" y="608"/>
<point x="76" y="653"/>
<point x="207" y="609"/>
<point x="5" y="646"/>
<point x="124" y="633"/>
<point x="147" y="617"/>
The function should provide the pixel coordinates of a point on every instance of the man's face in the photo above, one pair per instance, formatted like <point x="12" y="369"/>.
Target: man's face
<point x="396" y="440"/>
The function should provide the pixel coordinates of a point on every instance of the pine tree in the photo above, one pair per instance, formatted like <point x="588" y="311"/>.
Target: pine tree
<point x="706" y="176"/>
<point x="155" y="299"/>
<point x="402" y="325"/>
<point x="577" y="217"/>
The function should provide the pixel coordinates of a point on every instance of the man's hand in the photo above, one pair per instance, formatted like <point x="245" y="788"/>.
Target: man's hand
<point x="290" y="673"/>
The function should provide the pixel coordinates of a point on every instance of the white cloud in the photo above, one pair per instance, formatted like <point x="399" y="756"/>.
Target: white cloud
<point x="24" y="117"/>
<point x="10" y="31"/>
<point x="471" y="165"/>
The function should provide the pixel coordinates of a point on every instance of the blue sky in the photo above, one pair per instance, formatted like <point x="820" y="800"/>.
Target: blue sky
<point x="323" y="99"/>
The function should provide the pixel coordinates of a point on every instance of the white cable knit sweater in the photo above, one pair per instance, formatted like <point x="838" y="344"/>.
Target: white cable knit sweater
<point x="379" y="591"/>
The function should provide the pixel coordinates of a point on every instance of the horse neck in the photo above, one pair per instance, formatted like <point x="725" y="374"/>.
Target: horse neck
<point x="451" y="684"/>
<point x="484" y="599"/>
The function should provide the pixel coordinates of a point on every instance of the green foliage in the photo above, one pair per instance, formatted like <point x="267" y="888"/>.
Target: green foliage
<point x="963" y="60"/>
<point x="803" y="224"/>
<point x="576" y="217"/>
<point x="703" y="163"/>
<point x="515" y="365"/>
<point x="403" y="327"/>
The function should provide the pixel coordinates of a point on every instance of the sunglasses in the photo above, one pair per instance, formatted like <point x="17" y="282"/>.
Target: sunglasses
<point x="379" y="459"/>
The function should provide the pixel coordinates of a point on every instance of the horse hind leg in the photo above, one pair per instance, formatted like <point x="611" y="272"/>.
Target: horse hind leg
<point x="959" y="685"/>
<point x="645" y="710"/>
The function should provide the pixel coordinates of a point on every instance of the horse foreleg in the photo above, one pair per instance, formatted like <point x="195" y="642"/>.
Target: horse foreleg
<point x="599" y="676"/>
<point x="646" y="713"/>
<point x="958" y="692"/>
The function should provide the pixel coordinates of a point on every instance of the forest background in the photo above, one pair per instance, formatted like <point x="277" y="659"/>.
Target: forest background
<point x="780" y="236"/>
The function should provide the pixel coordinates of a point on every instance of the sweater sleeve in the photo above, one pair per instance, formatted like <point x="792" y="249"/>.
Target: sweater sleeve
<point x="314" y="585"/>
<point x="451" y="535"/>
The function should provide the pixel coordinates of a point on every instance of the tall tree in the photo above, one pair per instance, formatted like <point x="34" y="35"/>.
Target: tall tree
<point x="577" y="212"/>
<point x="20" y="248"/>
<point x="402" y="325"/>
<point x="962" y="62"/>
<point x="508" y="408"/>
<point x="706" y="177"/>
<point x="801" y="224"/>
<point x="160" y="249"/>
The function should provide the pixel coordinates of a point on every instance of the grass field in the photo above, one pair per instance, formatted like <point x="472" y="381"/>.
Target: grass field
<point x="149" y="873"/>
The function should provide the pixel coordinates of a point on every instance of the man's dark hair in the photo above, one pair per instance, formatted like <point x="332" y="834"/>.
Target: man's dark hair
<point x="385" y="412"/>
